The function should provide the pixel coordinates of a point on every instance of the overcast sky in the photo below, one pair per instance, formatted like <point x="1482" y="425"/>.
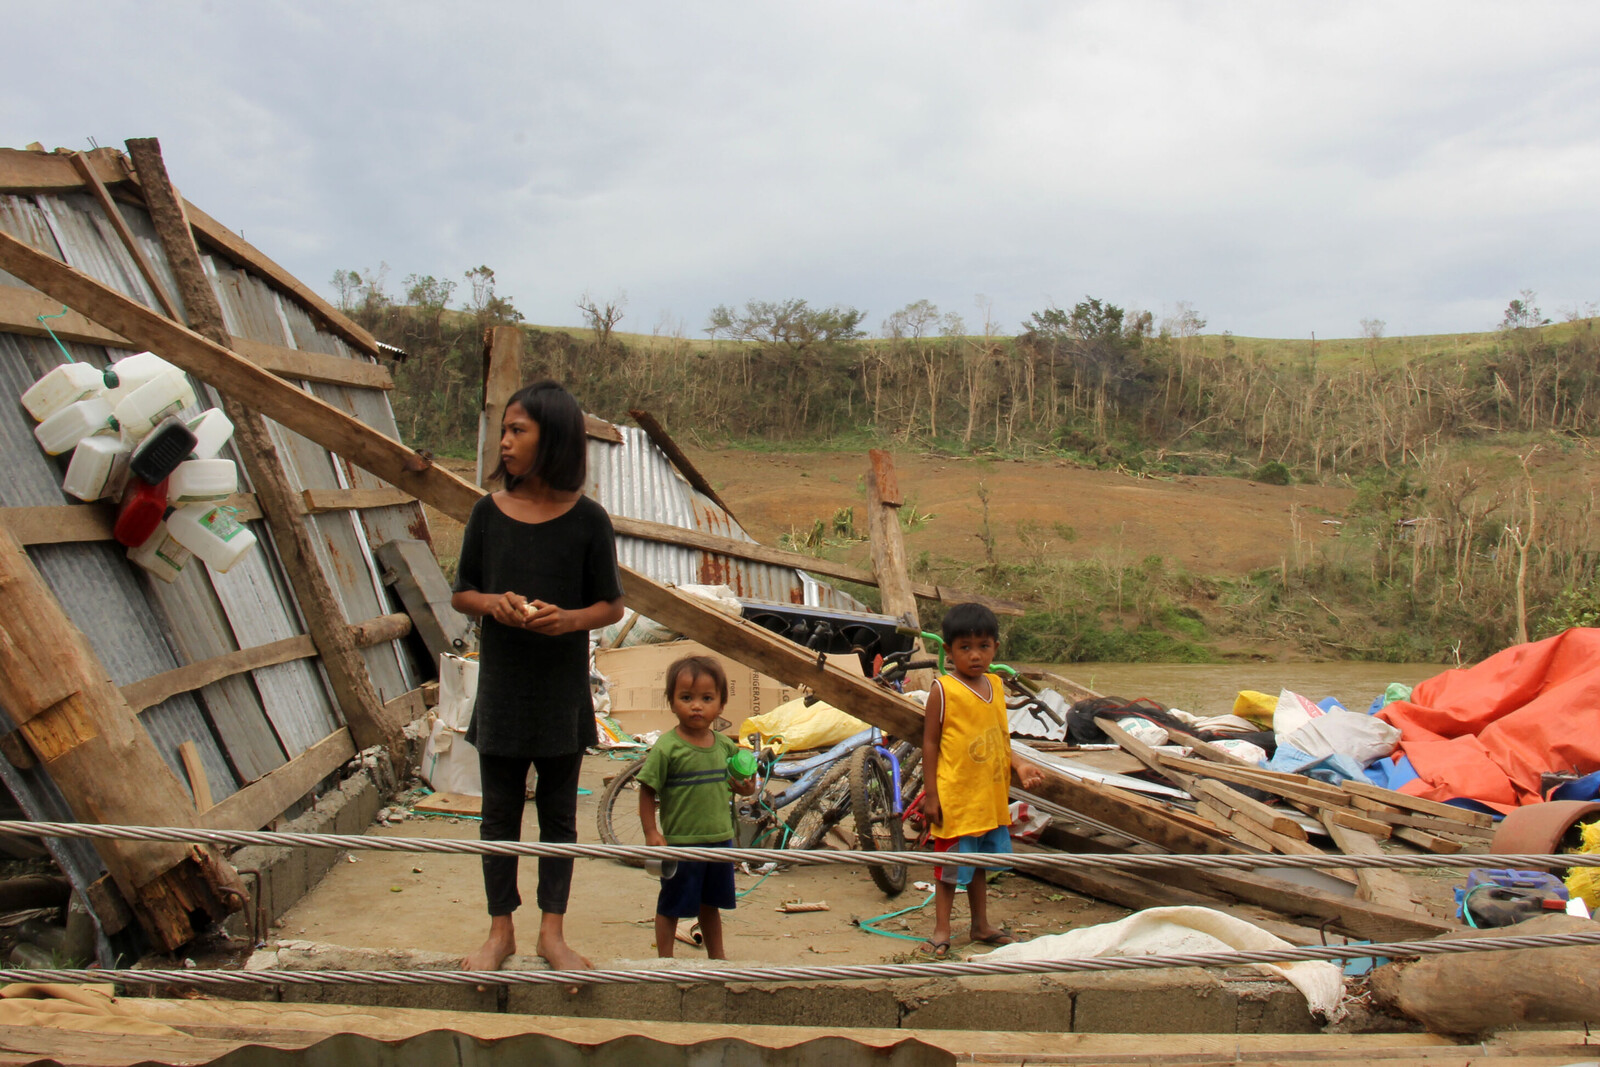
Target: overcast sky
<point x="1285" y="168"/>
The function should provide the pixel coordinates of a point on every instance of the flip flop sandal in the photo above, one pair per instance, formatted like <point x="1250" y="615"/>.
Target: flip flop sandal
<point x="935" y="950"/>
<point x="1004" y="937"/>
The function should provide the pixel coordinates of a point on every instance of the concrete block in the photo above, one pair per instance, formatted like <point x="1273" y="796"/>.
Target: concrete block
<point x="812" y="1004"/>
<point x="654" y="1002"/>
<point x="434" y="997"/>
<point x="1005" y="1003"/>
<point x="1272" y="1007"/>
<point x="1184" y="1000"/>
<point x="347" y="814"/>
<point x="704" y="1002"/>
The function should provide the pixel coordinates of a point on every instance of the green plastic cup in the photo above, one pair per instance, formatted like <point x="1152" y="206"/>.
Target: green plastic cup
<point x="742" y="764"/>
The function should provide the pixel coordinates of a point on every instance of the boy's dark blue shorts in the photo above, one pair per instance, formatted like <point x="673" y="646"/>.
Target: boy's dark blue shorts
<point x="695" y="885"/>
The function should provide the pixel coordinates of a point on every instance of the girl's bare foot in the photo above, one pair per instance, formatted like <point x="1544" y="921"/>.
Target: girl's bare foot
<point x="561" y="956"/>
<point x="500" y="946"/>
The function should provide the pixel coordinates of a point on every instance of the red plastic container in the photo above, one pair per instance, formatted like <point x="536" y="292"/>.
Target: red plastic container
<point x="143" y="506"/>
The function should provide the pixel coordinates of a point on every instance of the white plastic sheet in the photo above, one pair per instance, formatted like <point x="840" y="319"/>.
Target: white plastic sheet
<point x="449" y="764"/>
<point x="1164" y="931"/>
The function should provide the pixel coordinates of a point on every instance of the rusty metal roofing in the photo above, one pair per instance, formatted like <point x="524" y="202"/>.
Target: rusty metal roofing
<point x="637" y="481"/>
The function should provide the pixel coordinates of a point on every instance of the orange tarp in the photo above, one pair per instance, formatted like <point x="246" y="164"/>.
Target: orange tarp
<point x="1487" y="732"/>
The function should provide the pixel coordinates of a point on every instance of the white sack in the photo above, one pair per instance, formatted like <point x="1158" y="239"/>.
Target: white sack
<point x="449" y="764"/>
<point x="1363" y="738"/>
<point x="1166" y="931"/>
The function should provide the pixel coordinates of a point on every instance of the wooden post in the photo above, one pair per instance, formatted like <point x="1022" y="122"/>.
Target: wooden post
<point x="77" y="725"/>
<point x="889" y="551"/>
<point x="282" y="507"/>
<point x="502" y="376"/>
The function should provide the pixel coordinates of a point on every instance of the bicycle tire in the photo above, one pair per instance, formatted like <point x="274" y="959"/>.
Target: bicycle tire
<point x="622" y="828"/>
<point x="821" y="809"/>
<point x="877" y="823"/>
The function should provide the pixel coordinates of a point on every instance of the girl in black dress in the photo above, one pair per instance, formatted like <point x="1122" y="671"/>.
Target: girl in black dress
<point x="539" y="564"/>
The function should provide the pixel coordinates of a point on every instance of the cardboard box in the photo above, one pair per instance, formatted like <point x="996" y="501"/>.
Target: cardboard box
<point x="637" y="680"/>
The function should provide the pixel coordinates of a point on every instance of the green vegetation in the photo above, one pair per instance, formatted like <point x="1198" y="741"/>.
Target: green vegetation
<point x="1472" y="516"/>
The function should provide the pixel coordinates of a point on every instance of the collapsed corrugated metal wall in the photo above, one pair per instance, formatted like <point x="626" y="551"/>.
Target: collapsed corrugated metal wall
<point x="246" y="725"/>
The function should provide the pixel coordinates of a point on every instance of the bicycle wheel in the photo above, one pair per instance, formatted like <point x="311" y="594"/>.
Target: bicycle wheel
<point x="877" y="823"/>
<point x="618" y="814"/>
<point x="821" y="809"/>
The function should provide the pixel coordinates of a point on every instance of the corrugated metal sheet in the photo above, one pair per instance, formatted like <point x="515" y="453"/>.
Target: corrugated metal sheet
<point x="637" y="481"/>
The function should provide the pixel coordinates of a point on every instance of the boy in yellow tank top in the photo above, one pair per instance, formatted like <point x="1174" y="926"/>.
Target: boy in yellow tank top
<point x="967" y="764"/>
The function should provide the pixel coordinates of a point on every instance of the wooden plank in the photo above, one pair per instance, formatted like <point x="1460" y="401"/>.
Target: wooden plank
<point x="26" y="171"/>
<point x="313" y="366"/>
<point x="888" y="543"/>
<point x="888" y="482"/>
<point x="1372" y="809"/>
<point x="727" y="546"/>
<point x="318" y="501"/>
<point x="264" y="799"/>
<point x="67" y="523"/>
<point x="449" y="804"/>
<point x="199" y="785"/>
<point x="1417" y="804"/>
<point x="151" y="691"/>
<point x="1276" y="821"/>
<point x="1292" y="786"/>
<point x="91" y="178"/>
<point x="20" y="308"/>
<point x="243" y="254"/>
<point x="407" y="707"/>
<point x="502" y="376"/>
<point x="1227" y="820"/>
<point x="1435" y="843"/>
<point x="679" y="459"/>
<point x="601" y="430"/>
<point x="1347" y="818"/>
<point x="1374" y="884"/>
<point x="1358" y="918"/>
<point x="324" y="617"/>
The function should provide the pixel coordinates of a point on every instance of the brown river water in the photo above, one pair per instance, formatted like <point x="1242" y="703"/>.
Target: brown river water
<point x="1210" y="688"/>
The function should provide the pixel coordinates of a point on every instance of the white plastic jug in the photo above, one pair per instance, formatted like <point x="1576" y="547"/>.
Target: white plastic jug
<point x="212" y="430"/>
<point x="161" y="554"/>
<point x="62" y="431"/>
<point x="212" y="533"/>
<point x="201" y="481"/>
<point x="66" y="384"/>
<point x="133" y="371"/>
<point x="166" y="394"/>
<point x="99" y="468"/>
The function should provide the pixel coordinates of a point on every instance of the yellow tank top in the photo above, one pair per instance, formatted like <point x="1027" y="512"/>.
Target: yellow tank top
<point x="974" y="760"/>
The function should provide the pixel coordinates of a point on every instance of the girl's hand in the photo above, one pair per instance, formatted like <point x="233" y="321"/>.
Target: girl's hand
<point x="509" y="610"/>
<point x="1028" y="775"/>
<point x="932" y="815"/>
<point x="547" y="619"/>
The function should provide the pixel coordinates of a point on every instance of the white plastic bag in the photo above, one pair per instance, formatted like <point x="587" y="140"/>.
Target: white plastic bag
<point x="1363" y="738"/>
<point x="449" y="764"/>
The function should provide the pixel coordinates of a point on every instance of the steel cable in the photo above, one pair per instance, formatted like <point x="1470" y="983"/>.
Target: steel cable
<point x="788" y="857"/>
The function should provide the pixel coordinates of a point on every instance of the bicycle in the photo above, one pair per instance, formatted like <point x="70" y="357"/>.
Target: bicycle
<point x="886" y="782"/>
<point x="818" y="794"/>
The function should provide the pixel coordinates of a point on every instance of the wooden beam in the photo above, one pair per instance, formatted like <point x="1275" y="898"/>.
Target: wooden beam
<point x="269" y="796"/>
<point x="601" y="430"/>
<point x="23" y="171"/>
<point x="663" y="440"/>
<point x="502" y="376"/>
<point x="1396" y="799"/>
<point x="20" y="308"/>
<point x="750" y="550"/>
<point x="888" y="544"/>
<point x="199" y="785"/>
<point x="318" y="501"/>
<point x="888" y="482"/>
<point x="151" y="691"/>
<point x="1374" y="884"/>
<point x="324" y="617"/>
<point x="236" y="376"/>
<point x="101" y="760"/>
<point x="313" y="366"/>
<point x="243" y="254"/>
<point x="55" y="524"/>
<point x="91" y="179"/>
<point x="1292" y="786"/>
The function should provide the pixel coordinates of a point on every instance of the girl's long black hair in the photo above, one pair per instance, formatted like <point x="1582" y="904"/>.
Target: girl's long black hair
<point x="562" y="458"/>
